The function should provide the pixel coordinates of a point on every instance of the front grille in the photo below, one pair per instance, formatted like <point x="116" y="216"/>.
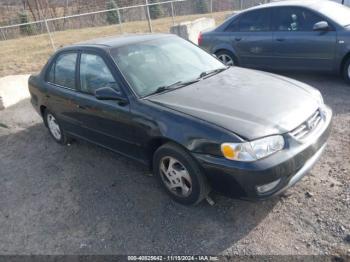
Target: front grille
<point x="308" y="126"/>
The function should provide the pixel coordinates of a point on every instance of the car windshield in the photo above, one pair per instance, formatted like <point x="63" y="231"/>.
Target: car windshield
<point x="165" y="62"/>
<point x="337" y="12"/>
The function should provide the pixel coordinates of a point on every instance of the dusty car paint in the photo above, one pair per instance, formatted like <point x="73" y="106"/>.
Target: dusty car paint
<point x="236" y="105"/>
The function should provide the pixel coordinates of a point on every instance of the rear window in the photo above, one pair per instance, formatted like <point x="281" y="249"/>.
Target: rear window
<point x="62" y="71"/>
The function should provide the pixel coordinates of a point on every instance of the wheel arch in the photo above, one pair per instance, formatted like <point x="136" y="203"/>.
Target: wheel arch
<point x="229" y="51"/>
<point x="42" y="112"/>
<point x="157" y="142"/>
<point x="343" y="62"/>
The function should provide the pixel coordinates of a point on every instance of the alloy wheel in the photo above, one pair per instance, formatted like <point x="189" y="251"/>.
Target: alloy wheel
<point x="226" y="59"/>
<point x="175" y="177"/>
<point x="54" y="127"/>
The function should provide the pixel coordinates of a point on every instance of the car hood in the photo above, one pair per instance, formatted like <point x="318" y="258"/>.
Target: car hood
<point x="249" y="103"/>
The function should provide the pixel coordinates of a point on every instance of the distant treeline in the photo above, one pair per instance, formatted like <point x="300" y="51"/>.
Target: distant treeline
<point x="24" y="11"/>
<point x="12" y="11"/>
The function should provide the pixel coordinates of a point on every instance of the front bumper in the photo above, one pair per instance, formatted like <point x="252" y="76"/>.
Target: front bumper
<point x="241" y="179"/>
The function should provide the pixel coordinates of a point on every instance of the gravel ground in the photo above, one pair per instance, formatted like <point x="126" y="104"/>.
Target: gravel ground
<point x="82" y="199"/>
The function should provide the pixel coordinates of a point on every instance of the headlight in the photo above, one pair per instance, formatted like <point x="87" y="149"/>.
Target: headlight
<point x="251" y="151"/>
<point x="318" y="96"/>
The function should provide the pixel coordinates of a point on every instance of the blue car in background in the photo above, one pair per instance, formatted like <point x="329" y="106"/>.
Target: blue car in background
<point x="288" y="35"/>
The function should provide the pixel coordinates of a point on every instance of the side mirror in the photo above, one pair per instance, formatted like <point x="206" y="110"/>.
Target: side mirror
<point x="321" y="26"/>
<point x="108" y="93"/>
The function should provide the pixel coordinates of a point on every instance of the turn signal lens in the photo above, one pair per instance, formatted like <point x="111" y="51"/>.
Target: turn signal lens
<point x="228" y="151"/>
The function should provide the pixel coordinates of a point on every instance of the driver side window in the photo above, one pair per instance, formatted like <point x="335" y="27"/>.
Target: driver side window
<point x="95" y="74"/>
<point x="296" y="19"/>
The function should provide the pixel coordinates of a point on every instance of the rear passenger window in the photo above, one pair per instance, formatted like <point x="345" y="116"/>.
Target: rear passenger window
<point x="233" y="27"/>
<point x="253" y="21"/>
<point x="51" y="75"/>
<point x="62" y="71"/>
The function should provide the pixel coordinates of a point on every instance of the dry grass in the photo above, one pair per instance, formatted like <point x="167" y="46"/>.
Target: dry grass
<point x="29" y="54"/>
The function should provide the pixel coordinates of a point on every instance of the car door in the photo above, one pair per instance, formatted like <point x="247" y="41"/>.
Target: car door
<point x="251" y="38"/>
<point x="61" y="86"/>
<point x="105" y="122"/>
<point x="297" y="45"/>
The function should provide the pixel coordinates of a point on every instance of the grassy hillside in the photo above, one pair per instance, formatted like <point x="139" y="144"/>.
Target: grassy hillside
<point x="28" y="54"/>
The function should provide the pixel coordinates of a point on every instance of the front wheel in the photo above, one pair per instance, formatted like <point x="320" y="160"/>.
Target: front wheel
<point x="180" y="175"/>
<point x="346" y="71"/>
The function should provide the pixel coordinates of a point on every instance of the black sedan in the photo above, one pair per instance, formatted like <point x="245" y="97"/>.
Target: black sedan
<point x="197" y="124"/>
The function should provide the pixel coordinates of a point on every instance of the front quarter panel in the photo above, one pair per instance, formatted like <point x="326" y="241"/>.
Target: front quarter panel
<point x="154" y="121"/>
<point x="343" y="46"/>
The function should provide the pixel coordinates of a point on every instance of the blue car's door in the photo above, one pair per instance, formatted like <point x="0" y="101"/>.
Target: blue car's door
<point x="251" y="37"/>
<point x="296" y="45"/>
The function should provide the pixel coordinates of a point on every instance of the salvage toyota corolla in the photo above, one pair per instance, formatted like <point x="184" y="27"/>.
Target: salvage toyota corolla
<point x="198" y="125"/>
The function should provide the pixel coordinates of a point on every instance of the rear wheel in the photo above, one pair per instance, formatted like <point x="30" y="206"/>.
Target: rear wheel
<point x="55" y="128"/>
<point x="346" y="71"/>
<point x="180" y="175"/>
<point x="226" y="58"/>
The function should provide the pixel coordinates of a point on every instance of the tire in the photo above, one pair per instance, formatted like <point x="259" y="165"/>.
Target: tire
<point x="346" y="71"/>
<point x="227" y="58"/>
<point x="55" y="129"/>
<point x="189" y="185"/>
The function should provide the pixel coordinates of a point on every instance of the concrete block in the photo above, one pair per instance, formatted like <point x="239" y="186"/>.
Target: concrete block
<point x="13" y="89"/>
<point x="190" y="30"/>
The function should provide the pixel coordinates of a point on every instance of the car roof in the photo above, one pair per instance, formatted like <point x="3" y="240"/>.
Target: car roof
<point x="314" y="4"/>
<point x="118" y="41"/>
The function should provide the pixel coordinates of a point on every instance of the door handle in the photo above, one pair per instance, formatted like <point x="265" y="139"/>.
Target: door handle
<point x="81" y="107"/>
<point x="238" y="39"/>
<point x="280" y="39"/>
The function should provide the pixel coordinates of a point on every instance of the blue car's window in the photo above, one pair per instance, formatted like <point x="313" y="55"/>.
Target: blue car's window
<point x="95" y="74"/>
<point x="295" y="19"/>
<point x="62" y="72"/>
<point x="152" y="64"/>
<point x="255" y="21"/>
<point x="233" y="26"/>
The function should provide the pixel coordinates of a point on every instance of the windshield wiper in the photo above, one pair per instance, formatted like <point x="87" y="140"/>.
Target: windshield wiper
<point x="174" y="86"/>
<point x="162" y="89"/>
<point x="212" y="72"/>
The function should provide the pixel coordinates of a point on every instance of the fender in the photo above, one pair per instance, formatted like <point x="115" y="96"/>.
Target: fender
<point x="181" y="127"/>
